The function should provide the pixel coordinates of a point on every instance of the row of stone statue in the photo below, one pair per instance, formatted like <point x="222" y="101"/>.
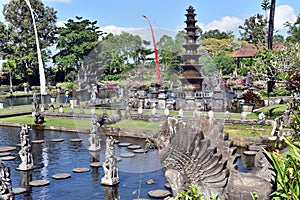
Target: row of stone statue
<point x="110" y="165"/>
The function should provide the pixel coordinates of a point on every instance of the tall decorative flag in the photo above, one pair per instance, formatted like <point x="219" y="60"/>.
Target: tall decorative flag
<point x="155" y="51"/>
<point x="41" y="67"/>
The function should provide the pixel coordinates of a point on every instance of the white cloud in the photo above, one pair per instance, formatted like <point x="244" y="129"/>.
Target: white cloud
<point x="61" y="24"/>
<point x="60" y="1"/>
<point x="144" y="33"/>
<point x="283" y="14"/>
<point x="116" y="30"/>
<point x="227" y="23"/>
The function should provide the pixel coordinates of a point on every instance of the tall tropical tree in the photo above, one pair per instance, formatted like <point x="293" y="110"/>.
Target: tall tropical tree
<point x="10" y="68"/>
<point x="253" y="30"/>
<point x="74" y="42"/>
<point x="20" y="39"/>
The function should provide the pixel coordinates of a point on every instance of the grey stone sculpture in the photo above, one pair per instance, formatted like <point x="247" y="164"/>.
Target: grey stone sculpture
<point x="94" y="138"/>
<point x="111" y="176"/>
<point x="6" y="192"/>
<point x="201" y="155"/>
<point x="25" y="152"/>
<point x="38" y="117"/>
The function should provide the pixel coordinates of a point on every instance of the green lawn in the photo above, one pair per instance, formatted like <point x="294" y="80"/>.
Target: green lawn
<point x="137" y="125"/>
<point x="59" y="122"/>
<point x="247" y="131"/>
<point x="233" y="130"/>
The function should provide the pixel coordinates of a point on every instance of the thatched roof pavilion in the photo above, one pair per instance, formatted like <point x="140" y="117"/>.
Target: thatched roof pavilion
<point x="249" y="50"/>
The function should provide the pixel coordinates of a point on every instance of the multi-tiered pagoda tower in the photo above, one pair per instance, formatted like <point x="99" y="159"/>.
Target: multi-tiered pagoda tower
<point x="191" y="67"/>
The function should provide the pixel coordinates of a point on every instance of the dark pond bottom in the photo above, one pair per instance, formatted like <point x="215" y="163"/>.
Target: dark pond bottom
<point x="62" y="157"/>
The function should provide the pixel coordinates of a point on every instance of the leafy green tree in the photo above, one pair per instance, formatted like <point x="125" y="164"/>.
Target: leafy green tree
<point x="117" y="54"/>
<point x="225" y="63"/>
<point x="74" y="43"/>
<point x="217" y="34"/>
<point x="265" y="5"/>
<point x="253" y="30"/>
<point x="278" y="64"/>
<point x="216" y="47"/>
<point x="19" y="36"/>
<point x="169" y="52"/>
<point x="3" y="40"/>
<point x="294" y="31"/>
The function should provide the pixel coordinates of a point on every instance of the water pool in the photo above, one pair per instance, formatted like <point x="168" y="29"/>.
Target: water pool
<point x="62" y="157"/>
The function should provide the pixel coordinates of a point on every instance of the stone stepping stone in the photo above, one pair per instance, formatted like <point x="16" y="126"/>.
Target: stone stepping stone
<point x="132" y="147"/>
<point x="17" y="191"/>
<point x="37" y="141"/>
<point x="124" y="144"/>
<point x="7" y="148"/>
<point x="150" y="182"/>
<point x="81" y="170"/>
<point x="96" y="164"/>
<point x="117" y="141"/>
<point x="57" y="140"/>
<point x="61" y="176"/>
<point x="7" y="158"/>
<point x="5" y="154"/>
<point x="167" y="185"/>
<point x="127" y="155"/>
<point x="39" y="183"/>
<point x="76" y="140"/>
<point x="159" y="194"/>
<point x="119" y="159"/>
<point x="250" y="153"/>
<point x="140" y="151"/>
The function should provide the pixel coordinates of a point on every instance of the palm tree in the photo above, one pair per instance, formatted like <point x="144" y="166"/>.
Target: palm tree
<point x="9" y="67"/>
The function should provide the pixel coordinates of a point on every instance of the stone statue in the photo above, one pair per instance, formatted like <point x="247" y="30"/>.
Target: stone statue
<point x="94" y="138"/>
<point x="227" y="115"/>
<point x="201" y="155"/>
<point x="180" y="113"/>
<point x="35" y="103"/>
<point x="111" y="176"/>
<point x="6" y="192"/>
<point x="38" y="118"/>
<point x="25" y="152"/>
<point x="262" y="117"/>
<point x="249" y="79"/>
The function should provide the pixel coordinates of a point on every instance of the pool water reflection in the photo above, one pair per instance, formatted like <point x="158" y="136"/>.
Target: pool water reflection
<point x="62" y="157"/>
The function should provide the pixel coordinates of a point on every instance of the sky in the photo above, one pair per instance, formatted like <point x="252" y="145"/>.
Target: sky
<point x="168" y="16"/>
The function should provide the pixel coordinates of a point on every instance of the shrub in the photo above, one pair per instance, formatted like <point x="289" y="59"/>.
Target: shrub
<point x="287" y="169"/>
